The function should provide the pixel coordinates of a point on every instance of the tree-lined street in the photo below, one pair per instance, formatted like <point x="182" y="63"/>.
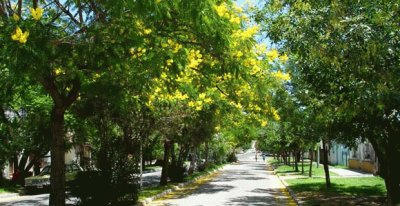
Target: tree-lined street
<point x="98" y="91"/>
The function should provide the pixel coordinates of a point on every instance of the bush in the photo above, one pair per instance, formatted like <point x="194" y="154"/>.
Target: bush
<point x="95" y="188"/>
<point x="177" y="173"/>
<point x="231" y="157"/>
<point x="203" y="166"/>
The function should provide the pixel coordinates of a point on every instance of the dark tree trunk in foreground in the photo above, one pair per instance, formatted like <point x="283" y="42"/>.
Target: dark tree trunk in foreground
<point x="164" y="172"/>
<point x="61" y="102"/>
<point x="326" y="168"/>
<point x="311" y="163"/>
<point x="57" y="175"/>
<point x="388" y="167"/>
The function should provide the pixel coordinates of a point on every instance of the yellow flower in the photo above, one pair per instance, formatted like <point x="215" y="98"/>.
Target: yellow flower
<point x="202" y="96"/>
<point x="20" y="36"/>
<point x="282" y="76"/>
<point x="208" y="100"/>
<point x="273" y="54"/>
<point x="36" y="13"/>
<point x="283" y="58"/>
<point x="16" y="17"/>
<point x="58" y="71"/>
<point x="235" y="20"/>
<point x="191" y="104"/>
<point x="169" y="62"/>
<point x="239" y="54"/>
<point x="264" y="123"/>
<point x="147" y="31"/>
<point x="221" y="9"/>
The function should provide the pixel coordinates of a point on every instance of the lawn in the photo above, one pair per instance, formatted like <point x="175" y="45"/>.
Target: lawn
<point x="347" y="191"/>
<point x="7" y="187"/>
<point x="363" y="186"/>
<point x="283" y="170"/>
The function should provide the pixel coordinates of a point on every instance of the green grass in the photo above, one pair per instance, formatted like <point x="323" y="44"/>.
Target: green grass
<point x="365" y="186"/>
<point x="206" y="171"/>
<point x="7" y="187"/>
<point x="152" y="167"/>
<point x="151" y="191"/>
<point x="288" y="170"/>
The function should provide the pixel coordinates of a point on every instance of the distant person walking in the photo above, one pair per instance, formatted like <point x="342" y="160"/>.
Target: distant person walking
<point x="256" y="156"/>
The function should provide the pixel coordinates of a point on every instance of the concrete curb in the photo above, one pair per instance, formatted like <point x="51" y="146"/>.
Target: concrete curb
<point x="292" y="194"/>
<point x="174" y="188"/>
<point x="290" y="191"/>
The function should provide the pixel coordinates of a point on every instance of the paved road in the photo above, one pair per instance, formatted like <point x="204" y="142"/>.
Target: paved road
<point x="30" y="200"/>
<point x="245" y="183"/>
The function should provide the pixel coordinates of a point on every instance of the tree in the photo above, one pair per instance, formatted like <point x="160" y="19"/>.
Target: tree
<point x="347" y="52"/>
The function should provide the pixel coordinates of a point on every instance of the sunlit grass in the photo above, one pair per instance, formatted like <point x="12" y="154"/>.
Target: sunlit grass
<point x="363" y="186"/>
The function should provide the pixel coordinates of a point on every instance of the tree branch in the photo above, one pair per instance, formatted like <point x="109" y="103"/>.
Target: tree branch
<point x="80" y="11"/>
<point x="19" y="7"/>
<point x="59" y="5"/>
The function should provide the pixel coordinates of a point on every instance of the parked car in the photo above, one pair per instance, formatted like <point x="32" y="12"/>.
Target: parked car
<point x="42" y="181"/>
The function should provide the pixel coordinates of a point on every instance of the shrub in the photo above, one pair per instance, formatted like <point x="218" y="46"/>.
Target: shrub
<point x="231" y="157"/>
<point x="177" y="173"/>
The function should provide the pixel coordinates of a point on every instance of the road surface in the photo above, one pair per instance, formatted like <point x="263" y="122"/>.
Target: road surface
<point x="245" y="183"/>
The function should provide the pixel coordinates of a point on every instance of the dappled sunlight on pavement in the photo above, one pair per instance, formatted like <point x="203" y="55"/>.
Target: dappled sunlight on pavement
<point x="244" y="183"/>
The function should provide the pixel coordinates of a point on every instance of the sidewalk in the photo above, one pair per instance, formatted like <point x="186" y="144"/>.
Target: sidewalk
<point x="349" y="172"/>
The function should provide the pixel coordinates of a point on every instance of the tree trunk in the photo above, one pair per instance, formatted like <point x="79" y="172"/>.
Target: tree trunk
<point x="192" y="166"/>
<point x="311" y="163"/>
<point x="207" y="150"/>
<point x="57" y="176"/>
<point x="164" y="172"/>
<point x="36" y="168"/>
<point x="302" y="162"/>
<point x="326" y="168"/>
<point x="173" y="155"/>
<point x="295" y="159"/>
<point x="388" y="168"/>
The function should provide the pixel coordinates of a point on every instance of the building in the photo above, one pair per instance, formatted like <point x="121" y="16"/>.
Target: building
<point x="339" y="154"/>
<point x="363" y="157"/>
<point x="80" y="154"/>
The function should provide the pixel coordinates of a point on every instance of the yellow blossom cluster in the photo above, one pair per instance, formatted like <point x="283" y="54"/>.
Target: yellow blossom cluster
<point x="20" y="36"/>
<point x="272" y="54"/>
<point x="200" y="102"/>
<point x="172" y="45"/>
<point x="283" y="58"/>
<point x="136" y="53"/>
<point x="142" y="28"/>
<point x="58" y="71"/>
<point x="194" y="58"/>
<point x="16" y="17"/>
<point x="36" y="13"/>
<point x="234" y="16"/>
<point x="275" y="114"/>
<point x="282" y="76"/>
<point x="246" y="34"/>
